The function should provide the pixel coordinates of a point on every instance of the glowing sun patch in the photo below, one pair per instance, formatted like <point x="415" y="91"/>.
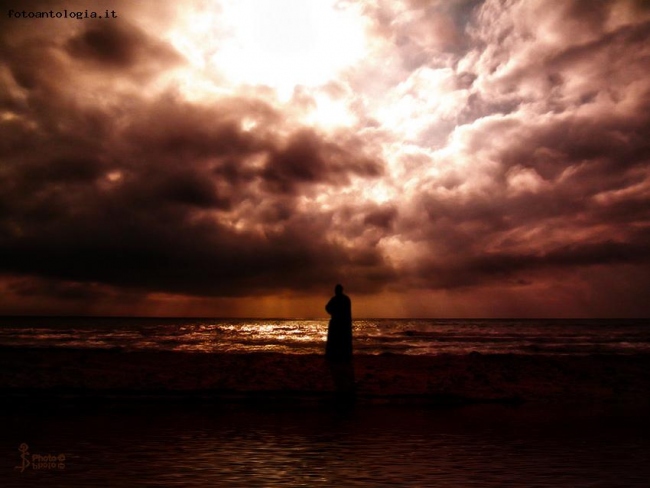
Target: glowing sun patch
<point x="286" y="43"/>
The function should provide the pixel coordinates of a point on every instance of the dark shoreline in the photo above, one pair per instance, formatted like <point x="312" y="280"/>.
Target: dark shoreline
<point x="116" y="375"/>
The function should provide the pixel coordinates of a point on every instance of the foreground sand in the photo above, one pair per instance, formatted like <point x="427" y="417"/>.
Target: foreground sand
<point x="389" y="378"/>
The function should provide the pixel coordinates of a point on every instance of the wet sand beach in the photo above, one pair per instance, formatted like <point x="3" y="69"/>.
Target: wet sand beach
<point x="439" y="379"/>
<point x="185" y="419"/>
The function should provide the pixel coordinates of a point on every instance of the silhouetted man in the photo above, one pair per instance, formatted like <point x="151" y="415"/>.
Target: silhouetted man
<point x="339" y="333"/>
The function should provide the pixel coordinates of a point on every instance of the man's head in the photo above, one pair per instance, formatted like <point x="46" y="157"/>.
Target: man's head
<point x="338" y="289"/>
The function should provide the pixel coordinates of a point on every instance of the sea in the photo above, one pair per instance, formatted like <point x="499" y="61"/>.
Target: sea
<point x="165" y="443"/>
<point x="307" y="336"/>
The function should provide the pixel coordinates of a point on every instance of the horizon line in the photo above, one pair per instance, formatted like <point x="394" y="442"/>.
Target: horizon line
<point x="63" y="316"/>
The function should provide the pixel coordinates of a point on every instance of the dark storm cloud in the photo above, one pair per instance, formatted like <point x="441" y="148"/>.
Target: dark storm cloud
<point x="146" y="229"/>
<point x="306" y="158"/>
<point x="58" y="290"/>
<point x="382" y="217"/>
<point x="158" y="194"/>
<point x="119" y="46"/>
<point x="579" y="255"/>
<point x="35" y="48"/>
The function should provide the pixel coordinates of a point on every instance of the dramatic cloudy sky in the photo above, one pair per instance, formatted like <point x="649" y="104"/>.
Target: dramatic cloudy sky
<point x="240" y="157"/>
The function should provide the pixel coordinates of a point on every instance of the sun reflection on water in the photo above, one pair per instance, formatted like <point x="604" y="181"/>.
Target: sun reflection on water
<point x="308" y="336"/>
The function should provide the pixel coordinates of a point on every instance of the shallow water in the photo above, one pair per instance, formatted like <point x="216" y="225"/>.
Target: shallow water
<point x="194" y="445"/>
